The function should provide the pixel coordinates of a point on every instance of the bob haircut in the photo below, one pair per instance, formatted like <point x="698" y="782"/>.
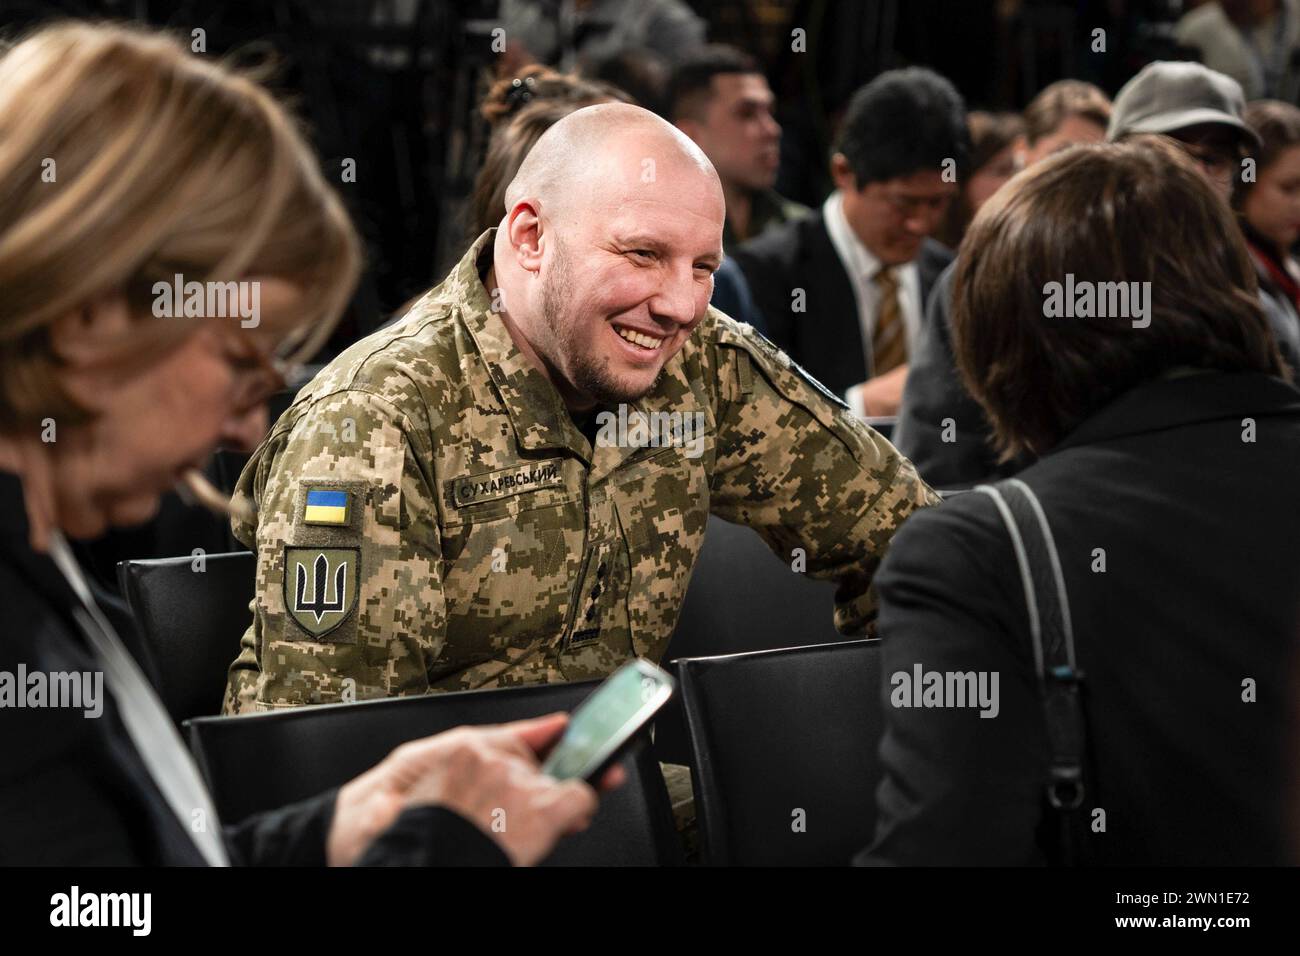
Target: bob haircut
<point x="1137" y="211"/>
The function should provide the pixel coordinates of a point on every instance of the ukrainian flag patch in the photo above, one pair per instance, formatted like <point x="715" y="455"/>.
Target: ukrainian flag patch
<point x="324" y="507"/>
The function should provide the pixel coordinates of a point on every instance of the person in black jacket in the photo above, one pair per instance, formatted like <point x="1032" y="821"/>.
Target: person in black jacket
<point x="1168" y="447"/>
<point x="165" y="239"/>
<point x="843" y="289"/>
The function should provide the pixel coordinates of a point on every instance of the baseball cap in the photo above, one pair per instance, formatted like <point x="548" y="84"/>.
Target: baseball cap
<point x="1167" y="96"/>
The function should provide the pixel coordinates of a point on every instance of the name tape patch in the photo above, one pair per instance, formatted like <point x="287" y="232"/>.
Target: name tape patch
<point x="504" y="482"/>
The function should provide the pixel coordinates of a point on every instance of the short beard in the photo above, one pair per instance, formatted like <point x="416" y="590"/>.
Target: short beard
<point x="585" y="374"/>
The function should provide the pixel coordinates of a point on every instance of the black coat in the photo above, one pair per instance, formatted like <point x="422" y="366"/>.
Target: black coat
<point x="1199" y="596"/>
<point x="74" y="790"/>
<point x="826" y="338"/>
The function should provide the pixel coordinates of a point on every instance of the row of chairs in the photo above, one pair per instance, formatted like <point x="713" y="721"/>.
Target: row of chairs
<point x="262" y="761"/>
<point x="781" y="741"/>
<point x="783" y="744"/>
<point x="741" y="598"/>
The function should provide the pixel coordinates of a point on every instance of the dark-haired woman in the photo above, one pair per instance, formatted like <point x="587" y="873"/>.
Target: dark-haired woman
<point x="1268" y="206"/>
<point x="1168" y="455"/>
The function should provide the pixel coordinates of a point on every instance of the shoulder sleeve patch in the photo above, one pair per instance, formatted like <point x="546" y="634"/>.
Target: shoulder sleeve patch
<point x="330" y="511"/>
<point x="774" y="363"/>
<point x="320" y="587"/>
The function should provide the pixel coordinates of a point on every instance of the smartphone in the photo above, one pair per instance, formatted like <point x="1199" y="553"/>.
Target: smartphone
<point x="605" y="723"/>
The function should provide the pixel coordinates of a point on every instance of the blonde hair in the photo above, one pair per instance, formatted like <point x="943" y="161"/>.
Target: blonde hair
<point x="1057" y="102"/>
<point x="124" y="160"/>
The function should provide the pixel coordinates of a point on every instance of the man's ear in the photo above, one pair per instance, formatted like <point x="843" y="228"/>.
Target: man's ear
<point x="842" y="173"/>
<point x="81" y="336"/>
<point x="524" y="230"/>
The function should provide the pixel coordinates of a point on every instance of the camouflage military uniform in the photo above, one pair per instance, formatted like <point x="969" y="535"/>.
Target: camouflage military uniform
<point x="430" y="518"/>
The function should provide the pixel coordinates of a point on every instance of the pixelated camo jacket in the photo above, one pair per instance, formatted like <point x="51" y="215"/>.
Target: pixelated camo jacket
<point x="430" y="518"/>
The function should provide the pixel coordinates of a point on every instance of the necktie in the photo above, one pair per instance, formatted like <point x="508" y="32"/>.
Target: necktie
<point x="889" y="339"/>
<point x="147" y="722"/>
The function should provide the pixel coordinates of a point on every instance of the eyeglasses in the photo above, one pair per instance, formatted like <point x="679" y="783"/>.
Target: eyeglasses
<point x="909" y="207"/>
<point x="1218" y="164"/>
<point x="259" y="375"/>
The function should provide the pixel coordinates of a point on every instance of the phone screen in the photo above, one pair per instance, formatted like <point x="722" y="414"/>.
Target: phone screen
<point x="607" y="719"/>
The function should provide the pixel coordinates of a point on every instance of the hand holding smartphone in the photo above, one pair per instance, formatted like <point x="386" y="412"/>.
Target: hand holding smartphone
<point x="604" y="724"/>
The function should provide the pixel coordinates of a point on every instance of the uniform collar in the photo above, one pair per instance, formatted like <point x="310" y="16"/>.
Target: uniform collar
<point x="672" y="393"/>
<point x="536" y="411"/>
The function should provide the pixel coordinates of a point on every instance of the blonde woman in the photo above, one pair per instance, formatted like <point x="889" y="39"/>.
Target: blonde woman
<point x="167" y="246"/>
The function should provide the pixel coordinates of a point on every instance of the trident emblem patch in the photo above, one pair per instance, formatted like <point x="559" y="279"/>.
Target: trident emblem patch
<point x="320" y="586"/>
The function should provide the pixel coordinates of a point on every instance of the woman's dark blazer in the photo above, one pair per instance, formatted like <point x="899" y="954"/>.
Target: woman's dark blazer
<point x="1174" y="510"/>
<point x="74" y="790"/>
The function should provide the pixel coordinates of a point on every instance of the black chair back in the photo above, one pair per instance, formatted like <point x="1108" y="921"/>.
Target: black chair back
<point x="191" y="622"/>
<point x="741" y="598"/>
<point x="260" y="761"/>
<point x="784" y="752"/>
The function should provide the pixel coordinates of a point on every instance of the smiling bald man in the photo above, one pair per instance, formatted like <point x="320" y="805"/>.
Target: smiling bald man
<point x="511" y="484"/>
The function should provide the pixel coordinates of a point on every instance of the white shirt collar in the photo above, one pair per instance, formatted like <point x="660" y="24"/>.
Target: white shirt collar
<point x="861" y="265"/>
<point x="858" y="260"/>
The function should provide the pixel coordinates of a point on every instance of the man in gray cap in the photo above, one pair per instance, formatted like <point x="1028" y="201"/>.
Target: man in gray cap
<point x="1192" y="104"/>
<point x="1202" y="110"/>
<point x="940" y="426"/>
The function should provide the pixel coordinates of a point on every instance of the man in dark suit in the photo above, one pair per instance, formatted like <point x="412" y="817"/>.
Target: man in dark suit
<point x="1168" y="449"/>
<point x="843" y="290"/>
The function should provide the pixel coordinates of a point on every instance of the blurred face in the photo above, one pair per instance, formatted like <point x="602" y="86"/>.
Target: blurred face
<point x="1272" y="206"/>
<point x="1072" y="131"/>
<point x="738" y="133"/>
<point x="989" y="178"/>
<point x="624" y="282"/>
<point x="893" y="217"/>
<point x="156" y="422"/>
<point x="1217" y="151"/>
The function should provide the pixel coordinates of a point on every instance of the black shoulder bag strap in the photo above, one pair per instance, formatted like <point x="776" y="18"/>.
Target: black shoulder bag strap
<point x="1059" y="678"/>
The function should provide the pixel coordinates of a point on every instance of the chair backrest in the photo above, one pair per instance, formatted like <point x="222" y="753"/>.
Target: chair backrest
<point x="260" y="761"/>
<point x="784" y="746"/>
<point x="191" y="621"/>
<point x="741" y="597"/>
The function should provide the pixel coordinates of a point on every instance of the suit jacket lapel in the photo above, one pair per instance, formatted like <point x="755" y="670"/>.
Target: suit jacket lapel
<point x="831" y="335"/>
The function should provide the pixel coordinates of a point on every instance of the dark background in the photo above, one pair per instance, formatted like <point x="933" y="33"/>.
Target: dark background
<point x="394" y="84"/>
